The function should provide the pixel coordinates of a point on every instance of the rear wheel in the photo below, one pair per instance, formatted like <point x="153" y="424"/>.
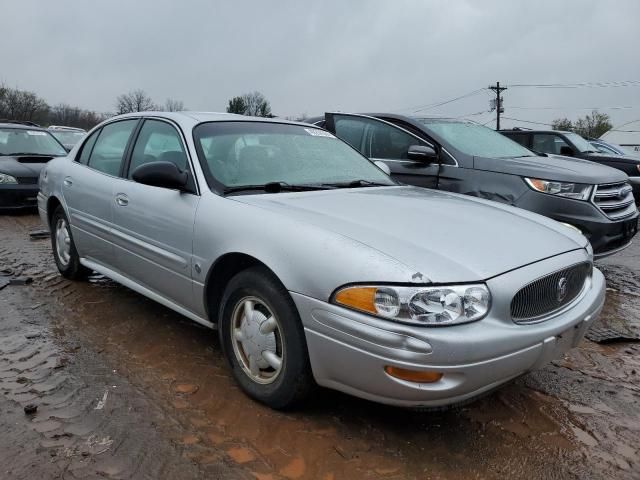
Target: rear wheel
<point x="263" y="339"/>
<point x="64" y="250"/>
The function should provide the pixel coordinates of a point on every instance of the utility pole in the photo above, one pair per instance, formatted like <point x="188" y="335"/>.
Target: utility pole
<point x="499" y="109"/>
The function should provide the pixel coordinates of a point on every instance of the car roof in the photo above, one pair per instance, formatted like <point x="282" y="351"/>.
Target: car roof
<point x="64" y="128"/>
<point x="517" y="130"/>
<point x="191" y="119"/>
<point x="20" y="126"/>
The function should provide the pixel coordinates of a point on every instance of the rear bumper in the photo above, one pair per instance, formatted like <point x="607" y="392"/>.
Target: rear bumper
<point x="349" y="350"/>
<point x="20" y="196"/>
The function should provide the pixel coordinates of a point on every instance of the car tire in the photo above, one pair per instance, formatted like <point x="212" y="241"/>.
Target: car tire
<point x="263" y="340"/>
<point x="64" y="249"/>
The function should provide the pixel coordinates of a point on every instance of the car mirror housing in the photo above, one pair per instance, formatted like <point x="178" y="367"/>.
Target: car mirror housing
<point x="422" y="153"/>
<point x="161" y="174"/>
<point x="566" y="151"/>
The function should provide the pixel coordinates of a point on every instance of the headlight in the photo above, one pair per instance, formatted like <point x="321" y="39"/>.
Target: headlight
<point x="578" y="191"/>
<point x="6" y="179"/>
<point x="443" y="305"/>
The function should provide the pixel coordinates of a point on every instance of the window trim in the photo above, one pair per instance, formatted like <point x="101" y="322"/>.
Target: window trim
<point x="76" y="159"/>
<point x="124" y="173"/>
<point x="429" y="142"/>
<point x="99" y="130"/>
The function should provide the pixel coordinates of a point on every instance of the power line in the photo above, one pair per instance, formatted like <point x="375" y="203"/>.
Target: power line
<point x="623" y="83"/>
<point x="527" y="121"/>
<point x="419" y="108"/>
<point x="575" y="108"/>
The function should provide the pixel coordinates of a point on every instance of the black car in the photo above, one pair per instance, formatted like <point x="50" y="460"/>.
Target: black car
<point x="573" y="145"/>
<point x="465" y="157"/>
<point x="24" y="149"/>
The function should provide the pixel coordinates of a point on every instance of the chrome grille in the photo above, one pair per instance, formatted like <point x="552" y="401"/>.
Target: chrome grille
<point x="549" y="293"/>
<point x="615" y="200"/>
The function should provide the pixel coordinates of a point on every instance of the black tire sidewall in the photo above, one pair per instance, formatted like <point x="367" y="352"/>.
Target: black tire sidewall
<point x="294" y="380"/>
<point x="73" y="270"/>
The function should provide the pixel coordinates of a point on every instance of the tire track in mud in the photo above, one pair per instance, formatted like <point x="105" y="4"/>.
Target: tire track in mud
<point x="173" y="395"/>
<point x="90" y="422"/>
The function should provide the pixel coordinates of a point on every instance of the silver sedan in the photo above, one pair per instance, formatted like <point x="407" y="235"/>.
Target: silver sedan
<point x="315" y="266"/>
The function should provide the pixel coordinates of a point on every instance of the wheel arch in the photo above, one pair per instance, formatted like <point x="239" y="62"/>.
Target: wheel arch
<point x="53" y="202"/>
<point x="219" y="275"/>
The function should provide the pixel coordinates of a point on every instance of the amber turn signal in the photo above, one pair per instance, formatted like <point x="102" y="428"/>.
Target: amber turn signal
<point x="360" y="298"/>
<point x="413" y="375"/>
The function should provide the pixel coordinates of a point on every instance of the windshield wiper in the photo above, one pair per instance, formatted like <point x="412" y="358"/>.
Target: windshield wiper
<point x="275" y="187"/>
<point x="359" y="183"/>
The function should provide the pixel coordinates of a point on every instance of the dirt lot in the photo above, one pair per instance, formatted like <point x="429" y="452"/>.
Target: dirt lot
<point x="128" y="389"/>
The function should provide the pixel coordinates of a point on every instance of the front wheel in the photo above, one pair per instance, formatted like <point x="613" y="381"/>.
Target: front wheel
<point x="263" y="339"/>
<point x="64" y="250"/>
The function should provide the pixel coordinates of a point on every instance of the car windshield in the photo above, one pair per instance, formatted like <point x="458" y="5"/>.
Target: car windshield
<point x="236" y="154"/>
<point x="14" y="141"/>
<point x="474" y="139"/>
<point x="68" y="137"/>
<point x="580" y="143"/>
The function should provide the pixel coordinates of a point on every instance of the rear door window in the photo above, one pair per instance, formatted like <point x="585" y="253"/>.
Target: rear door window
<point x="111" y="145"/>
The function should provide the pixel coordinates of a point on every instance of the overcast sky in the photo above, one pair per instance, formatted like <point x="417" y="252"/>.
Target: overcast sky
<point x="313" y="56"/>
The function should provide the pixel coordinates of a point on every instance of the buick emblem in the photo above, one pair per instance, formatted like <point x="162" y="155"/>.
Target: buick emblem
<point x="561" y="291"/>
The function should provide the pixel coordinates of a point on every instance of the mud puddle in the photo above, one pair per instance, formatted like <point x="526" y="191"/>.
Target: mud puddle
<point x="577" y="418"/>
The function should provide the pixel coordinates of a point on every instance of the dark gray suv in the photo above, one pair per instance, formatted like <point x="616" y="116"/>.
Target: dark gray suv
<point x="465" y="157"/>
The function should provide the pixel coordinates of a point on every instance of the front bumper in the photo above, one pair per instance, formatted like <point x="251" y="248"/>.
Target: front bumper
<point x="605" y="235"/>
<point x="18" y="196"/>
<point x="349" y="350"/>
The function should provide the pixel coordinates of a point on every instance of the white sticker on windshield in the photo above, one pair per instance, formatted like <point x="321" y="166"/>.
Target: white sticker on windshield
<point x="316" y="132"/>
<point x="35" y="132"/>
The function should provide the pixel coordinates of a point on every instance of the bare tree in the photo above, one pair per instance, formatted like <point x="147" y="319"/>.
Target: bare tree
<point x="134" y="101"/>
<point x="256" y="105"/>
<point x="172" y="105"/>
<point x="253" y="104"/>
<point x="22" y="105"/>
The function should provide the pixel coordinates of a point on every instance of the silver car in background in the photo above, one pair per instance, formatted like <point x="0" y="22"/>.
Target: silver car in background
<point x="316" y="267"/>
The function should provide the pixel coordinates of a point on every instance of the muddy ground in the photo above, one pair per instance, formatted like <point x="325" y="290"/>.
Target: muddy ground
<point x="125" y="388"/>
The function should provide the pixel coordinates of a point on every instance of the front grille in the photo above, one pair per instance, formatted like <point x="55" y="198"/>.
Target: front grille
<point x="27" y="180"/>
<point x="550" y="293"/>
<point x="615" y="200"/>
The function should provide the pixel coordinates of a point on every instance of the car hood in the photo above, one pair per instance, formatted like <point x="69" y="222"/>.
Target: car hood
<point x="23" y="166"/>
<point x="632" y="159"/>
<point x="443" y="237"/>
<point x="552" y="167"/>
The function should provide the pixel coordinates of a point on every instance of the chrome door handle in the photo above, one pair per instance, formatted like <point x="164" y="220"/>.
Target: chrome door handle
<point x="68" y="182"/>
<point x="122" y="200"/>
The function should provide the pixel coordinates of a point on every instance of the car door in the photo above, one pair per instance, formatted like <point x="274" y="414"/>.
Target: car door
<point x="381" y="140"/>
<point x="88" y="189"/>
<point x="153" y="226"/>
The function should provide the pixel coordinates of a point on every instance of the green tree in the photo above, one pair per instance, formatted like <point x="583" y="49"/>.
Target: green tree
<point x="236" y="105"/>
<point x="562" y="124"/>
<point x="592" y="125"/>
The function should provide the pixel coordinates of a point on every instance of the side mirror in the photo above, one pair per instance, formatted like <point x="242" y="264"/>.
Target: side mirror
<point x="566" y="151"/>
<point x="161" y="174"/>
<point x="383" y="166"/>
<point x="422" y="153"/>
